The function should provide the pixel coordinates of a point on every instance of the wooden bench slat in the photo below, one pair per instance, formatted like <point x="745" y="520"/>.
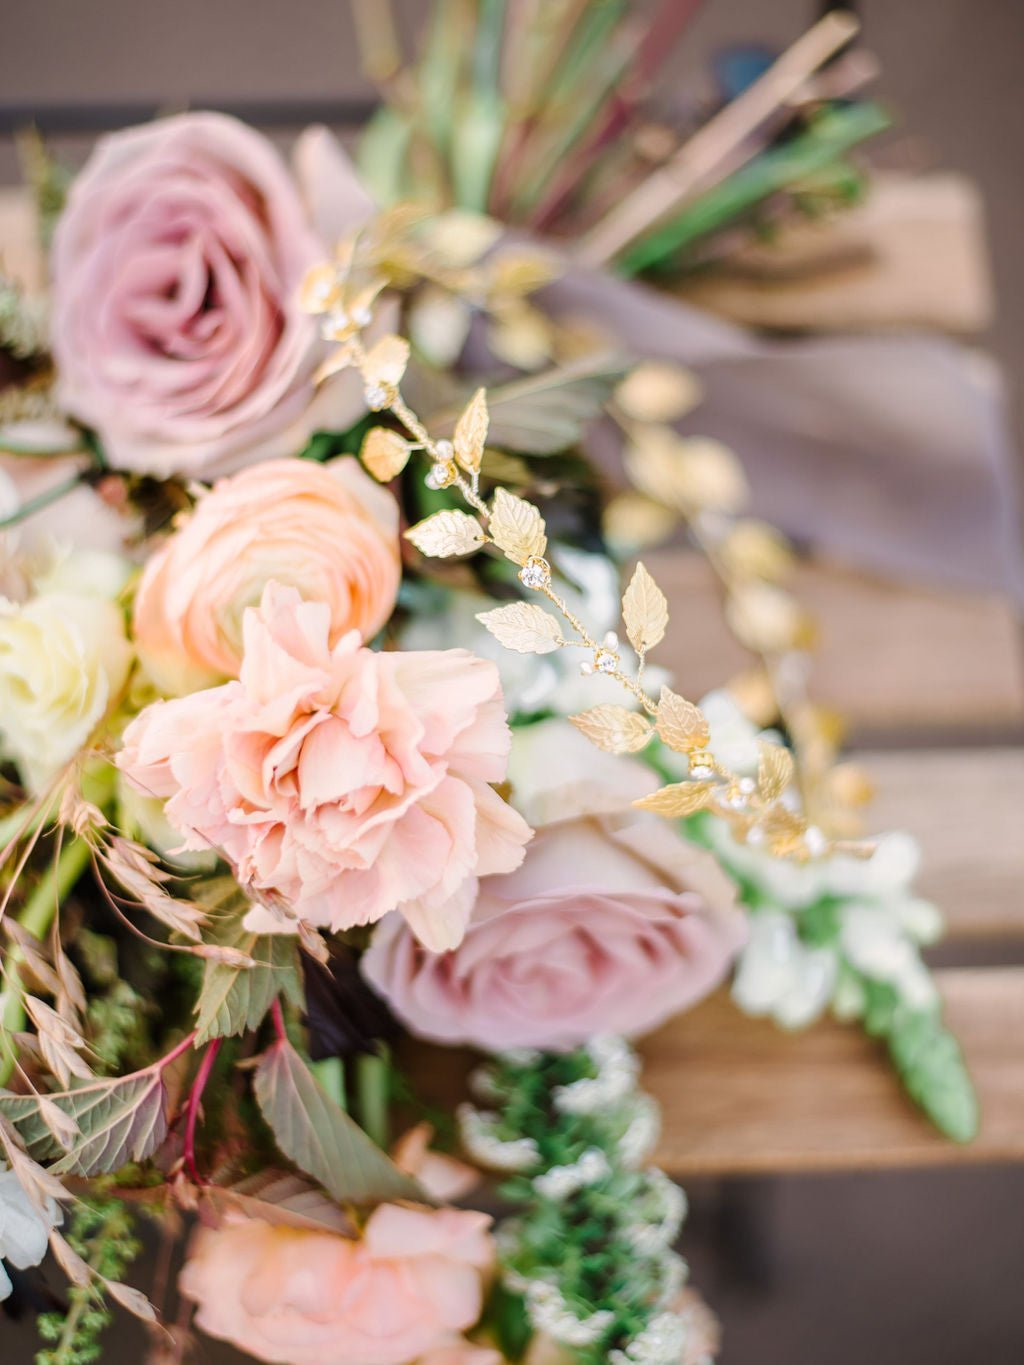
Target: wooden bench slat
<point x="739" y="1096"/>
<point x="966" y="808"/>
<point x="893" y="659"/>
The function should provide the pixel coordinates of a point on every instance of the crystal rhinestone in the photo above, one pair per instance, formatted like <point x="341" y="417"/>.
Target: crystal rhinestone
<point x="440" y="476"/>
<point x="535" y="573"/>
<point x="377" y="397"/>
<point x="815" y="841"/>
<point x="335" y="325"/>
<point x="605" y="660"/>
<point x="701" y="770"/>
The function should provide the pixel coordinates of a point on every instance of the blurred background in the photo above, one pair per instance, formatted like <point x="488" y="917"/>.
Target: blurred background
<point x="899" y="1268"/>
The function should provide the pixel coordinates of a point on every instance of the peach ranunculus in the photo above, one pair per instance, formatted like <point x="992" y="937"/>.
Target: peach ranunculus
<point x="346" y="781"/>
<point x="412" y="1282"/>
<point x="612" y="924"/>
<point x="327" y="530"/>
<point x="176" y="267"/>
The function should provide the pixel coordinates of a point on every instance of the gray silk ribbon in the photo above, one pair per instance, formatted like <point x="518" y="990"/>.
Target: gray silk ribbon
<point x="888" y="452"/>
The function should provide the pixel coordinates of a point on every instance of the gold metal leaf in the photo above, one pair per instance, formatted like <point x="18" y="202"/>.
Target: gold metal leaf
<point x="689" y="473"/>
<point x="681" y="725"/>
<point x="658" y="391"/>
<point x="633" y="522"/>
<point x="524" y="627"/>
<point x="775" y="771"/>
<point x="447" y="533"/>
<point x="753" y="549"/>
<point x="517" y="527"/>
<point x="471" y="433"/>
<point x="680" y="798"/>
<point x="645" y="611"/>
<point x="522" y="272"/>
<point x="384" y="453"/>
<point x="385" y="361"/>
<point x="614" y="728"/>
<point x="320" y="289"/>
<point x="765" y="618"/>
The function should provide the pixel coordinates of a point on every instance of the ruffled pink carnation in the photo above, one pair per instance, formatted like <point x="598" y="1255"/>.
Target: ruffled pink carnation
<point x="411" y="1284"/>
<point x="612" y="924"/>
<point x="344" y="781"/>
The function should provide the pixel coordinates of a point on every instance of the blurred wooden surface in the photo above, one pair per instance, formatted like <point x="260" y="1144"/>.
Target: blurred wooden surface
<point x="966" y="809"/>
<point x="739" y="1096"/>
<point x="898" y="661"/>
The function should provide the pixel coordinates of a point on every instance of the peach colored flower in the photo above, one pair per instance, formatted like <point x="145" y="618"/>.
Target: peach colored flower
<point x="462" y="1353"/>
<point x="347" y="782"/>
<point x="176" y="266"/>
<point x="613" y="923"/>
<point x="328" y="530"/>
<point x="413" y="1281"/>
<point x="444" y="1177"/>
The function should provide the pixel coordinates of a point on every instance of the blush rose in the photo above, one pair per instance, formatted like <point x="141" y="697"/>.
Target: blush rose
<point x="329" y="531"/>
<point x="410" y="1284"/>
<point x="176" y="266"/>
<point x="613" y="923"/>
<point x="348" y="782"/>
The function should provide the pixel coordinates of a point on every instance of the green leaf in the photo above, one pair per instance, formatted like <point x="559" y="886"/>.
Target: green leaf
<point x="546" y="413"/>
<point x="233" y="1000"/>
<point x="320" y="1138"/>
<point x="931" y="1066"/>
<point x="119" y="1120"/>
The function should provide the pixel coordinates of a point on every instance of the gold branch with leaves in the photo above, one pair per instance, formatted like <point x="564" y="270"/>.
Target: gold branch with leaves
<point x="762" y="809"/>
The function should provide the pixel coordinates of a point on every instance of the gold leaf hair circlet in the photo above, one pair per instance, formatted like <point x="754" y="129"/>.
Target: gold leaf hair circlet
<point x="761" y="810"/>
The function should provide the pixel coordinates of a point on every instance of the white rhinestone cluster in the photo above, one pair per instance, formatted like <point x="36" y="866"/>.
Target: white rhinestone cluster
<point x="662" y="1208"/>
<point x="536" y="573"/>
<point x="660" y="1343"/>
<point x="641" y="1136"/>
<point x="559" y="1182"/>
<point x="479" y="1137"/>
<point x="549" y="1313"/>
<point x="617" y="1070"/>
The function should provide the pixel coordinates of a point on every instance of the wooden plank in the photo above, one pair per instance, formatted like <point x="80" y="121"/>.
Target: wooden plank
<point x="966" y="808"/>
<point x="739" y="1096"/>
<point x="892" y="658"/>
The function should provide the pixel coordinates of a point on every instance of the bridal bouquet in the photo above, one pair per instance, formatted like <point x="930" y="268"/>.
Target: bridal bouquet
<point x="328" y="724"/>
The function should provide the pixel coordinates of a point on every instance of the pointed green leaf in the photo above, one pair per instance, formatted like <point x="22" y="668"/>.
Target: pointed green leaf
<point x="322" y="1139"/>
<point x="233" y="1000"/>
<point x="119" y="1120"/>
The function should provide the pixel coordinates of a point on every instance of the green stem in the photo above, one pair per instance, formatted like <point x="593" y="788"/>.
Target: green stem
<point x="37" y="916"/>
<point x="40" y="501"/>
<point x="372" y="1074"/>
<point x="330" y="1072"/>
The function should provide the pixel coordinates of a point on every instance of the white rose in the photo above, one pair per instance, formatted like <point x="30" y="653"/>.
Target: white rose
<point x="63" y="659"/>
<point x="23" y="1234"/>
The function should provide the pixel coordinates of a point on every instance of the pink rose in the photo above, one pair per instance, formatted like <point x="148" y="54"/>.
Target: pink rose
<point x="329" y="531"/>
<point x="347" y="782"/>
<point x="176" y="265"/>
<point x="612" y="924"/>
<point x="412" y="1282"/>
<point x="462" y="1353"/>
